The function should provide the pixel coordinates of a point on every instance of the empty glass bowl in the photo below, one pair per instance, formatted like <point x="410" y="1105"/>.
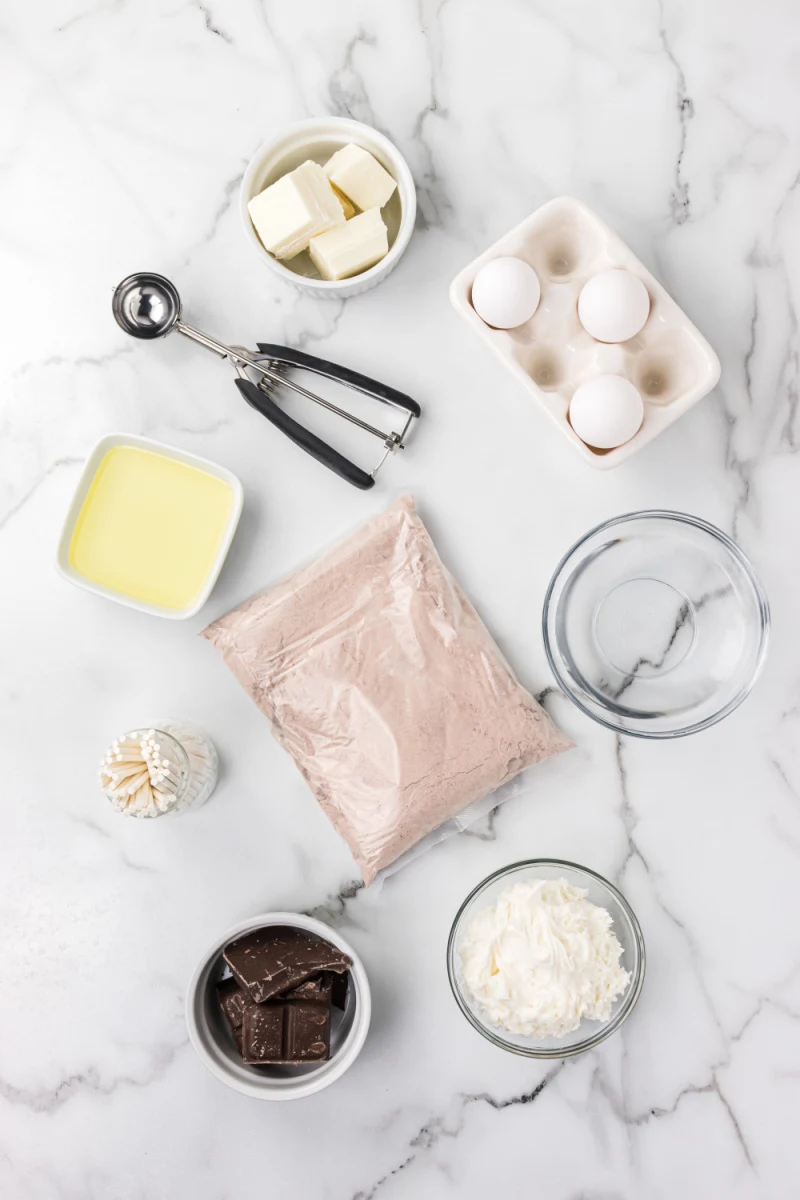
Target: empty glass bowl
<point x="655" y="624"/>
<point x="625" y="927"/>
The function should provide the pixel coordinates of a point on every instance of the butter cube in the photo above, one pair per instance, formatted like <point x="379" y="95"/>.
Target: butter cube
<point x="360" y="176"/>
<point x="352" y="247"/>
<point x="291" y="211"/>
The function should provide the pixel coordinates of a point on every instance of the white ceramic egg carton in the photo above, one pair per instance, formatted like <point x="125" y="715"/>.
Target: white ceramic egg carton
<point x="669" y="360"/>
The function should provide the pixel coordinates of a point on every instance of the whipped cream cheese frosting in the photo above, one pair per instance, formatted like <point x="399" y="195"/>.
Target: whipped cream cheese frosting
<point x="542" y="958"/>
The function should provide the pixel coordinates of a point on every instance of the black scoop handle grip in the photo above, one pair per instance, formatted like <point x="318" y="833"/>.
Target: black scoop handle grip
<point x="303" y="437"/>
<point x="351" y="379"/>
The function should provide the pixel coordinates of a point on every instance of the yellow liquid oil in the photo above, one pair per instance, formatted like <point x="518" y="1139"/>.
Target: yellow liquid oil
<point x="151" y="527"/>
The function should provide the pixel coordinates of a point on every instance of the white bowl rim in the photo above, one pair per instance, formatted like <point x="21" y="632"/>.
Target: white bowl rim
<point x="262" y="1088"/>
<point x="403" y="177"/>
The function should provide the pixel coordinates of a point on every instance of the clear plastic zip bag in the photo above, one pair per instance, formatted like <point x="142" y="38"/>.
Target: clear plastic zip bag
<point x="384" y="685"/>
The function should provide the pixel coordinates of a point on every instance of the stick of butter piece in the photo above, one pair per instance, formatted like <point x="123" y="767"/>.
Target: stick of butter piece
<point x="291" y="211"/>
<point x="360" y="176"/>
<point x="352" y="247"/>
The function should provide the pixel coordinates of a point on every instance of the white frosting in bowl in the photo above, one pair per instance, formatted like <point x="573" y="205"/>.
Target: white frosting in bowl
<point x="541" y="959"/>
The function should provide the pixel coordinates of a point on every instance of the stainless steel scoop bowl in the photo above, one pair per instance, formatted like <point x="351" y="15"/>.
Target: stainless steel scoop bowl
<point x="146" y="305"/>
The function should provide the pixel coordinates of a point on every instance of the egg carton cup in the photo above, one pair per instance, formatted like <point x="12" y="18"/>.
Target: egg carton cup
<point x="669" y="360"/>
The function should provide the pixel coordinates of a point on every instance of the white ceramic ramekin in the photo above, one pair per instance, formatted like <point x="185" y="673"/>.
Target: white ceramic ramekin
<point x="212" y="1041"/>
<point x="319" y="138"/>
<point x="85" y="482"/>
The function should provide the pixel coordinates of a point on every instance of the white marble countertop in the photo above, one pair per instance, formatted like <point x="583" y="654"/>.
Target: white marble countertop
<point x="127" y="130"/>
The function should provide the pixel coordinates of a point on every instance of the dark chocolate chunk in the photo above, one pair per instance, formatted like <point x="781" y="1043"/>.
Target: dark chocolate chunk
<point x="310" y="1032"/>
<point x="326" y="988"/>
<point x="233" y="1000"/>
<point x="319" y="989"/>
<point x="296" y="1031"/>
<point x="262" y="1033"/>
<point x="275" y="959"/>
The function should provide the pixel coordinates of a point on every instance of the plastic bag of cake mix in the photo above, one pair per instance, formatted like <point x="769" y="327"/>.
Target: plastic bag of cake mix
<point x="384" y="685"/>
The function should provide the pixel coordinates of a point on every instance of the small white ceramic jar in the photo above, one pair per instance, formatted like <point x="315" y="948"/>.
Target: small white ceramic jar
<point x="318" y="139"/>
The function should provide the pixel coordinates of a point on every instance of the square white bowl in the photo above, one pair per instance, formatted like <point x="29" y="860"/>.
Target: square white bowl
<point x="85" y="482"/>
<point x="669" y="360"/>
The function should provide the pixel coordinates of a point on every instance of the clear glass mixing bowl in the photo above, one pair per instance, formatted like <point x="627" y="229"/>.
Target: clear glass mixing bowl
<point x="625" y="927"/>
<point x="655" y="624"/>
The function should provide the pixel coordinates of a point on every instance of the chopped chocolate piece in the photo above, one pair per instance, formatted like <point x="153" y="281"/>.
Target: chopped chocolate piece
<point x="296" y="1031"/>
<point x="319" y="989"/>
<point x="262" y="1033"/>
<point x="275" y="959"/>
<point x="310" y="1032"/>
<point x="233" y="1001"/>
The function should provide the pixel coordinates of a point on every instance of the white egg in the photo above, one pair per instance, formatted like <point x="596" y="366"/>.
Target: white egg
<point x="613" y="306"/>
<point x="506" y="293"/>
<point x="606" y="411"/>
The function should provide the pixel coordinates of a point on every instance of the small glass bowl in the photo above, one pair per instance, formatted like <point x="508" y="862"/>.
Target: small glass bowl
<point x="655" y="624"/>
<point x="625" y="927"/>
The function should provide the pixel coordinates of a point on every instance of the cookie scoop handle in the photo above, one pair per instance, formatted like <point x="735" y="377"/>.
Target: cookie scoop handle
<point x="303" y="437"/>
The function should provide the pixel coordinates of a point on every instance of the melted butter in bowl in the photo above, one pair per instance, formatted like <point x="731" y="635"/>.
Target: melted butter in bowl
<point x="150" y="526"/>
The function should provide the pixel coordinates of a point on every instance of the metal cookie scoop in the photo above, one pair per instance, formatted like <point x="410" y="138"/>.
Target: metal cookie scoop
<point x="148" y="306"/>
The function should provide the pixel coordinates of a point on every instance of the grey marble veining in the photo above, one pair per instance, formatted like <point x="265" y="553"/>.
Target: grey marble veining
<point x="128" y="127"/>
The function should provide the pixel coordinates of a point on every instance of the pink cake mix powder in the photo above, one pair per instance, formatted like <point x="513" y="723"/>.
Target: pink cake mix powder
<point x="386" y="688"/>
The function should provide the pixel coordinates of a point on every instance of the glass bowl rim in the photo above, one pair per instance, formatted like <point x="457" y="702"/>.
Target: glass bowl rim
<point x="629" y="1000"/>
<point x="661" y="514"/>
